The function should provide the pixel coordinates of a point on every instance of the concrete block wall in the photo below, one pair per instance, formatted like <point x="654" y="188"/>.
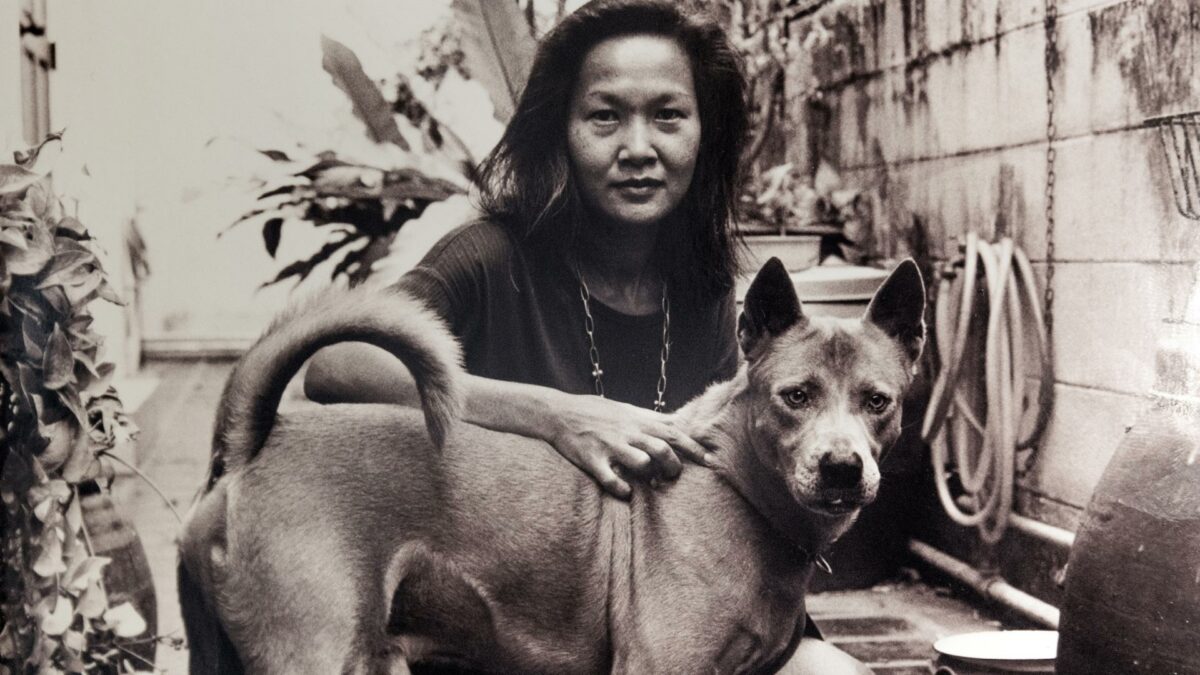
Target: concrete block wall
<point x="939" y="112"/>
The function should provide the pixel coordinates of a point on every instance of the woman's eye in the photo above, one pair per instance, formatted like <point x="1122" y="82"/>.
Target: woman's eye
<point x="670" y="115"/>
<point x="603" y="116"/>
<point x="796" y="397"/>
<point x="877" y="403"/>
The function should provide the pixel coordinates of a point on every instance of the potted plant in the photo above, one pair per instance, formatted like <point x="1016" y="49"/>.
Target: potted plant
<point x="58" y="416"/>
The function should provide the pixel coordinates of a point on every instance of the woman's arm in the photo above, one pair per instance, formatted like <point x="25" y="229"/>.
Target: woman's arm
<point x="593" y="433"/>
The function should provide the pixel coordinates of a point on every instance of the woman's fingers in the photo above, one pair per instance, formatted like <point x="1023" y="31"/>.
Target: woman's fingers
<point x="658" y="455"/>
<point x="607" y="477"/>
<point x="686" y="446"/>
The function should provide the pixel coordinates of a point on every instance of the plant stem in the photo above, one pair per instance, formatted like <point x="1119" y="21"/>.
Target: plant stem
<point x="106" y="453"/>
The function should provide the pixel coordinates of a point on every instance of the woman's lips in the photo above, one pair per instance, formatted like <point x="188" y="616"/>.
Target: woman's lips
<point x="638" y="188"/>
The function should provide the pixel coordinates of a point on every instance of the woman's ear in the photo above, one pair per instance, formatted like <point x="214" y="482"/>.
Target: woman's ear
<point x="770" y="308"/>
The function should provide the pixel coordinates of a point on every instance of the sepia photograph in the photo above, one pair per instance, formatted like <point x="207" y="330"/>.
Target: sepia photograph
<point x="813" y="337"/>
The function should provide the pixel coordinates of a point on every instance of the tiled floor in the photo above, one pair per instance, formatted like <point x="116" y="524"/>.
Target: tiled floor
<point x="890" y="627"/>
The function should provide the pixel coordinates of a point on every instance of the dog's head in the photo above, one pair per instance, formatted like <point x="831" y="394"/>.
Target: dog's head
<point x="827" y="393"/>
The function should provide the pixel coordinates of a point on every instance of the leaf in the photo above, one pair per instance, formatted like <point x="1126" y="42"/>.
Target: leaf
<point x="498" y="49"/>
<point x="56" y="621"/>
<point x="101" y="380"/>
<point x="50" y="555"/>
<point x="71" y="225"/>
<point x="94" y="601"/>
<point x="85" y="573"/>
<point x="281" y="190"/>
<point x="29" y="157"/>
<point x="369" y="105"/>
<point x="323" y="164"/>
<point x="81" y="463"/>
<point x="106" y="291"/>
<point x="67" y="267"/>
<point x="125" y="620"/>
<point x="302" y="268"/>
<point x="13" y="234"/>
<point x="33" y="337"/>
<point x="58" y="363"/>
<point x="277" y="155"/>
<point x="272" y="231"/>
<point x="14" y="180"/>
<point x="74" y="640"/>
<point x="39" y="248"/>
<point x="80" y="292"/>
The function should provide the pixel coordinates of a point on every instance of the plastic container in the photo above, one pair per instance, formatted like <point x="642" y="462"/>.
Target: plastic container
<point x="1132" y="596"/>
<point x="796" y="251"/>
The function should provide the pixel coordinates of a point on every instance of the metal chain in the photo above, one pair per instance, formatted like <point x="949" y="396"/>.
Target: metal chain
<point x="1051" y="66"/>
<point x="664" y="354"/>
<point x="589" y="326"/>
<point x="1051" y="134"/>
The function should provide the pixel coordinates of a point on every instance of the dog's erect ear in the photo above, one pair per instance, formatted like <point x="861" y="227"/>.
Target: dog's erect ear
<point x="771" y="306"/>
<point x="899" y="308"/>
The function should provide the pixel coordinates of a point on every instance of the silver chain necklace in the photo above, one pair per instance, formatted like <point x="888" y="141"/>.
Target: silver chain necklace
<point x="589" y="325"/>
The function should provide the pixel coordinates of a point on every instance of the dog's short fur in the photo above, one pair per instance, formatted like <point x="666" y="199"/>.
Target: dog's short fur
<point x="341" y="540"/>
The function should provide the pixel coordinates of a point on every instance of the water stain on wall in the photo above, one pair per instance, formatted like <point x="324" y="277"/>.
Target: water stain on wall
<point x="1154" y="45"/>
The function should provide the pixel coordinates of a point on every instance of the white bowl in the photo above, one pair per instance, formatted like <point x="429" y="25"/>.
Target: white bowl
<point x="1019" y="651"/>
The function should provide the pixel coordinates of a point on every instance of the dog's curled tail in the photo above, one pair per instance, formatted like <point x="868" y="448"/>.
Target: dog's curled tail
<point x="389" y="319"/>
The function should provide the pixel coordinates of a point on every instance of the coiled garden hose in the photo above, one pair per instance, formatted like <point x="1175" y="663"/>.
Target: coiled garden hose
<point x="986" y="467"/>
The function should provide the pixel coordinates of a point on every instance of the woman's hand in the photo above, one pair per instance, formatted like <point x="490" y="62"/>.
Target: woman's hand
<point x="608" y="438"/>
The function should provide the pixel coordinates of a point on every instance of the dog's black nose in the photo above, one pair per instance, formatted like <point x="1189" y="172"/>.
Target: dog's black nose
<point x="841" y="469"/>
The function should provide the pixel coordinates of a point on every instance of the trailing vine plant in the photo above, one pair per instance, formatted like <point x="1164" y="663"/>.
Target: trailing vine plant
<point x="58" y="415"/>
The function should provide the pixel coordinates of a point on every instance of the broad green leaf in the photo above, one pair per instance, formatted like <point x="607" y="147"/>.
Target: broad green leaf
<point x="498" y="49"/>
<point x="369" y="104"/>
<point x="58" y="363"/>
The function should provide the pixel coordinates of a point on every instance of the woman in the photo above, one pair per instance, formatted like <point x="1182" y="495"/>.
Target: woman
<point x="605" y="264"/>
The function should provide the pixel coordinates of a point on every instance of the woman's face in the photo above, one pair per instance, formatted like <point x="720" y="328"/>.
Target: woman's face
<point x="633" y="131"/>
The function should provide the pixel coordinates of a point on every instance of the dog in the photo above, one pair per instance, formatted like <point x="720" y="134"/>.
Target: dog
<point x="342" y="539"/>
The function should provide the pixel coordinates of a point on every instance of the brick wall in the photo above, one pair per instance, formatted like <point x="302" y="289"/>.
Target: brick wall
<point x="938" y="110"/>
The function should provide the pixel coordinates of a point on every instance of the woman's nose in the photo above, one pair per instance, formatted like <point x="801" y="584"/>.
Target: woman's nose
<point x="637" y="146"/>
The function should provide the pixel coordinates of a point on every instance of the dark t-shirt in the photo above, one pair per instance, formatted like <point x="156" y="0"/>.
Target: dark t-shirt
<point x="520" y="317"/>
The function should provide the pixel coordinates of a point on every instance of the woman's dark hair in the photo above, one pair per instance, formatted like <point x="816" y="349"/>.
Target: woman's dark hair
<point x="526" y="181"/>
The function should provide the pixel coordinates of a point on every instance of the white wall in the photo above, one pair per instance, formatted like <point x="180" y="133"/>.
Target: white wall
<point x="165" y="103"/>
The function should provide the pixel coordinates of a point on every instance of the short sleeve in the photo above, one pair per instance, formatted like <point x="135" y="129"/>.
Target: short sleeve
<point x="452" y="278"/>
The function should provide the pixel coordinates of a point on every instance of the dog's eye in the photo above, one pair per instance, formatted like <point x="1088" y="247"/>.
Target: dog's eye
<point x="877" y="402"/>
<point x="796" y="397"/>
